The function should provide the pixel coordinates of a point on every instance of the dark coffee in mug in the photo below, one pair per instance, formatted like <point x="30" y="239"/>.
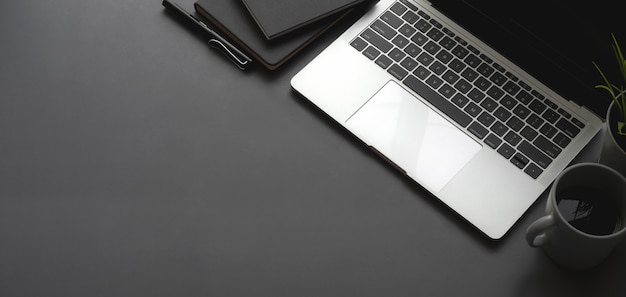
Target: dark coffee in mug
<point x="589" y="210"/>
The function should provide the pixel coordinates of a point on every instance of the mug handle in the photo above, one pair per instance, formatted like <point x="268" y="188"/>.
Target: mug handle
<point x="535" y="234"/>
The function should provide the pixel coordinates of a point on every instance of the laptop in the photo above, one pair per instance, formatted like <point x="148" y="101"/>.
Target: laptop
<point x="462" y="119"/>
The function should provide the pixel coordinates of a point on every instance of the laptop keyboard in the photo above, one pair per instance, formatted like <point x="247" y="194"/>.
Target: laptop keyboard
<point x="480" y="95"/>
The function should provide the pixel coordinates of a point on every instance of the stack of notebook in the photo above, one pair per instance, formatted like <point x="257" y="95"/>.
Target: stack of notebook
<point x="272" y="31"/>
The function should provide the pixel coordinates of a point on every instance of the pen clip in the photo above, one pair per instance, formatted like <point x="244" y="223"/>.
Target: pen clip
<point x="242" y="64"/>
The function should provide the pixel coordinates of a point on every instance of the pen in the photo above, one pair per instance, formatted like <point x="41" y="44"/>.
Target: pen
<point x="215" y="40"/>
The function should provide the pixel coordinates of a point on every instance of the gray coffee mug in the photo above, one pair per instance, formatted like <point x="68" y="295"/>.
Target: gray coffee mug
<point x="564" y="243"/>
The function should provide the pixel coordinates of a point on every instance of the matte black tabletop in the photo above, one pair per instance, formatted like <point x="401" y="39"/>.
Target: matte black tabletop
<point x="136" y="161"/>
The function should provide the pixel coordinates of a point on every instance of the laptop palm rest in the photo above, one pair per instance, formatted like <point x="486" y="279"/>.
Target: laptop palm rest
<point x="416" y="138"/>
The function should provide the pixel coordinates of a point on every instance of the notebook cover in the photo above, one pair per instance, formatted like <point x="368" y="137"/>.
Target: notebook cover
<point x="231" y="18"/>
<point x="278" y="17"/>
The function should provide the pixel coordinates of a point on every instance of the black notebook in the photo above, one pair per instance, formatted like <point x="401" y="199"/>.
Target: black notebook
<point x="232" y="19"/>
<point x="278" y="17"/>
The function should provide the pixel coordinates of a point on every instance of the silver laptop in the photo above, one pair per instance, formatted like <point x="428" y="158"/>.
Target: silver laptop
<point x="476" y="131"/>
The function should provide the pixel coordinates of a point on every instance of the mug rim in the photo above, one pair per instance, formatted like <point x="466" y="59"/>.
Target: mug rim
<point x="562" y="218"/>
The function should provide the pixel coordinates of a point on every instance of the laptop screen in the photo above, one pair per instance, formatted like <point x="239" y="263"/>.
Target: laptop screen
<point x="555" y="40"/>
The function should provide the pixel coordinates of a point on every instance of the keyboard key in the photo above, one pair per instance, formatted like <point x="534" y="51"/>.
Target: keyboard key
<point x="469" y="74"/>
<point x="432" y="47"/>
<point x="421" y="72"/>
<point x="529" y="133"/>
<point x="392" y="19"/>
<point x="436" y="24"/>
<point x="371" y="52"/>
<point x="515" y="123"/>
<point x="463" y="86"/>
<point x="512" y="138"/>
<point x="535" y="121"/>
<point x="511" y="76"/>
<point x="473" y="49"/>
<point x="359" y="44"/>
<point x="499" y="67"/>
<point x="376" y="40"/>
<point x="448" y="32"/>
<point x="578" y="123"/>
<point x="473" y="110"/>
<point x="460" y="41"/>
<point x="383" y="29"/>
<point x="447" y="43"/>
<point x="506" y="151"/>
<point x="499" y="128"/>
<point x="407" y="30"/>
<point x="423" y="14"/>
<point x="502" y="114"/>
<point x="476" y="95"/>
<point x="568" y="128"/>
<point x="524" y="96"/>
<point x="457" y="66"/>
<point x="508" y="102"/>
<point x="478" y="130"/>
<point x="561" y="140"/>
<point x="534" y="154"/>
<point x="425" y="59"/>
<point x="409" y="5"/>
<point x="551" y="149"/>
<point x="489" y="104"/>
<point x="419" y="39"/>
<point x="397" y="71"/>
<point x="548" y="130"/>
<point x="459" y="100"/>
<point x="437" y="68"/>
<point x="548" y="102"/>
<point x="398" y="8"/>
<point x="423" y="25"/>
<point x="412" y="50"/>
<point x="498" y="79"/>
<point x="533" y="170"/>
<point x="408" y="64"/>
<point x="444" y="56"/>
<point x="397" y="55"/>
<point x="524" y="86"/>
<point x="384" y="61"/>
<point x="551" y="116"/>
<point x="435" y="34"/>
<point x="493" y="141"/>
<point x="521" y="111"/>
<point x="486" y="119"/>
<point x="519" y="160"/>
<point x="460" y="51"/>
<point x="485" y="69"/>
<point x="451" y="77"/>
<point x="472" y="60"/>
<point x="482" y="83"/>
<point x="537" y="106"/>
<point x="438" y="101"/>
<point x="434" y="82"/>
<point x="495" y="93"/>
<point x="447" y="91"/>
<point x="400" y="41"/>
<point x="511" y="87"/>
<point x="410" y="17"/>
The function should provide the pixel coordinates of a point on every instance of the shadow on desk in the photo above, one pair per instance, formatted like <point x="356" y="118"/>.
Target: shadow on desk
<point x="545" y="278"/>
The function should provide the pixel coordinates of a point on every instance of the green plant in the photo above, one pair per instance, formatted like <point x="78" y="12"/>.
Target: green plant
<point x="618" y="93"/>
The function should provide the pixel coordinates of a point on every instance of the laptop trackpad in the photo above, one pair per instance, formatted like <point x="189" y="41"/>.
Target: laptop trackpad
<point x="417" y="139"/>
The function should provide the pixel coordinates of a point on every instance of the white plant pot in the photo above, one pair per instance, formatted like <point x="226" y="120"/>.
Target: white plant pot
<point x="612" y="154"/>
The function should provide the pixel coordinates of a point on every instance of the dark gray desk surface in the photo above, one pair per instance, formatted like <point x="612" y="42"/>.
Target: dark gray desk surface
<point x="134" y="161"/>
